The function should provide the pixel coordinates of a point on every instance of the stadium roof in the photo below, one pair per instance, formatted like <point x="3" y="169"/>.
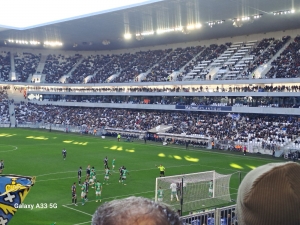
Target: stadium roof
<point x="103" y="29"/>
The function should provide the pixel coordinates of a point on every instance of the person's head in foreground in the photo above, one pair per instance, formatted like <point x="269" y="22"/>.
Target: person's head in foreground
<point x="270" y="195"/>
<point x="134" y="211"/>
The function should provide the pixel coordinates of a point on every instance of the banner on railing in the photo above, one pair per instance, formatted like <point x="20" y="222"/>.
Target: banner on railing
<point x="203" y="108"/>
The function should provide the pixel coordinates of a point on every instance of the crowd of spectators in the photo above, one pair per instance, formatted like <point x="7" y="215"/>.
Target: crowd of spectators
<point x="174" y="61"/>
<point x="157" y="64"/>
<point x="4" y="106"/>
<point x="5" y="66"/>
<point x="265" y="51"/>
<point x="58" y="65"/>
<point x="89" y="66"/>
<point x="220" y="126"/>
<point x="287" y="65"/>
<point x="114" y="67"/>
<point x="25" y="65"/>
<point x="142" y="63"/>
<point x="244" y="88"/>
<point x="208" y="55"/>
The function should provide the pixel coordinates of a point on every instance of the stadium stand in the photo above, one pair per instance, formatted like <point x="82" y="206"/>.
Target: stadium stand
<point x="25" y="65"/>
<point x="199" y="67"/>
<point x="4" y="111"/>
<point x="142" y="63"/>
<point x="287" y="64"/>
<point x="265" y="51"/>
<point x="89" y="67"/>
<point x="174" y="61"/>
<point x="57" y="66"/>
<point x="222" y="126"/>
<point x="113" y="68"/>
<point x="5" y="66"/>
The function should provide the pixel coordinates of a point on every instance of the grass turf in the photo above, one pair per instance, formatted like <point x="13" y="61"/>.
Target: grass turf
<point x="38" y="153"/>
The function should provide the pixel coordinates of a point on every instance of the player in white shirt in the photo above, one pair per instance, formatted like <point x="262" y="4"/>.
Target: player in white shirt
<point x="173" y="188"/>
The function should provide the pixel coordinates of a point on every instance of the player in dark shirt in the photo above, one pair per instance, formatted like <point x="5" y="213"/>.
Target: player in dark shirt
<point x="74" y="196"/>
<point x="105" y="162"/>
<point x="1" y="165"/>
<point x="178" y="188"/>
<point x="64" y="153"/>
<point x="88" y="172"/>
<point x="86" y="183"/>
<point x="79" y="175"/>
<point x="121" y="169"/>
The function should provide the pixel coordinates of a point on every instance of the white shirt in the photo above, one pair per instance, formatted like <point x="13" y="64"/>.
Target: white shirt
<point x="173" y="187"/>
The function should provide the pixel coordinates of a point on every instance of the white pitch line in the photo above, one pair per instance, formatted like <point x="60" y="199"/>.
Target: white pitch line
<point x="82" y="223"/>
<point x="103" y="173"/>
<point x="179" y="148"/>
<point x="144" y="170"/>
<point x="77" y="210"/>
<point x="15" y="148"/>
<point x="120" y="196"/>
<point x="56" y="179"/>
<point x="46" y="174"/>
<point x="116" y="170"/>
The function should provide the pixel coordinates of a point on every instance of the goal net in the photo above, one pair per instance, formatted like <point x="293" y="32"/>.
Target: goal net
<point x="197" y="190"/>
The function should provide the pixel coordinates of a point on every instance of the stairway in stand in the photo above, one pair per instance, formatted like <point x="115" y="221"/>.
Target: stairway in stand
<point x="12" y="115"/>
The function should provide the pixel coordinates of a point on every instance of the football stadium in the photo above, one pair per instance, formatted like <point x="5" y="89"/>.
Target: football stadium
<point x="150" y="112"/>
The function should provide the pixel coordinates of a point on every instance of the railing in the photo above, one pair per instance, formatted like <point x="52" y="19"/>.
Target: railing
<point x="79" y="129"/>
<point x="4" y="124"/>
<point x="218" y="216"/>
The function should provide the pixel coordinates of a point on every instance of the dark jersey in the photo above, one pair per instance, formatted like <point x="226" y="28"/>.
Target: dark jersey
<point x="79" y="173"/>
<point x="73" y="189"/>
<point x="178" y="186"/>
<point x="105" y="161"/>
<point x="86" y="186"/>
<point x="64" y="152"/>
<point x="121" y="171"/>
<point x="88" y="171"/>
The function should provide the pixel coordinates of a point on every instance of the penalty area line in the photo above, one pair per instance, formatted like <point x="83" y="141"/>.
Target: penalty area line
<point x="82" y="223"/>
<point x="117" y="197"/>
<point x="77" y="210"/>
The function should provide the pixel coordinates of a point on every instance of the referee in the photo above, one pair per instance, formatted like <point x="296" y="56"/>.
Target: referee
<point x="161" y="170"/>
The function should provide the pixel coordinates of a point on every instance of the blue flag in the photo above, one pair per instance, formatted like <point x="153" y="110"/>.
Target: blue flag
<point x="13" y="190"/>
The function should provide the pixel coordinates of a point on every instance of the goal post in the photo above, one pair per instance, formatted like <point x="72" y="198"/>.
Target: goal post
<point x="193" y="191"/>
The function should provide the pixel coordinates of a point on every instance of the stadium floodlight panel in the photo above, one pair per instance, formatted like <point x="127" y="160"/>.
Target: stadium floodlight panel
<point x="34" y="13"/>
<point x="161" y="31"/>
<point x="127" y="36"/>
<point x="145" y="33"/>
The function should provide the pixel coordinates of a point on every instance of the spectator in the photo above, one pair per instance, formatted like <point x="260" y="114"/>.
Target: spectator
<point x="134" y="211"/>
<point x="270" y="194"/>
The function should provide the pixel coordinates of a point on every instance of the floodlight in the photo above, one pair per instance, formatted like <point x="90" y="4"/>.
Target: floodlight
<point x="127" y="36"/>
<point x="161" y="31"/>
<point x="145" y="33"/>
<point x="52" y="43"/>
<point x="180" y="28"/>
<point x="190" y="27"/>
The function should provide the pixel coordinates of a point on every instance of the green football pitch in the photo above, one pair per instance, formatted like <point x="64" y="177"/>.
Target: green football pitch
<point x="38" y="153"/>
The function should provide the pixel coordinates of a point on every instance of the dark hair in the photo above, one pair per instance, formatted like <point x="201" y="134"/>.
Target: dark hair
<point x="134" y="211"/>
